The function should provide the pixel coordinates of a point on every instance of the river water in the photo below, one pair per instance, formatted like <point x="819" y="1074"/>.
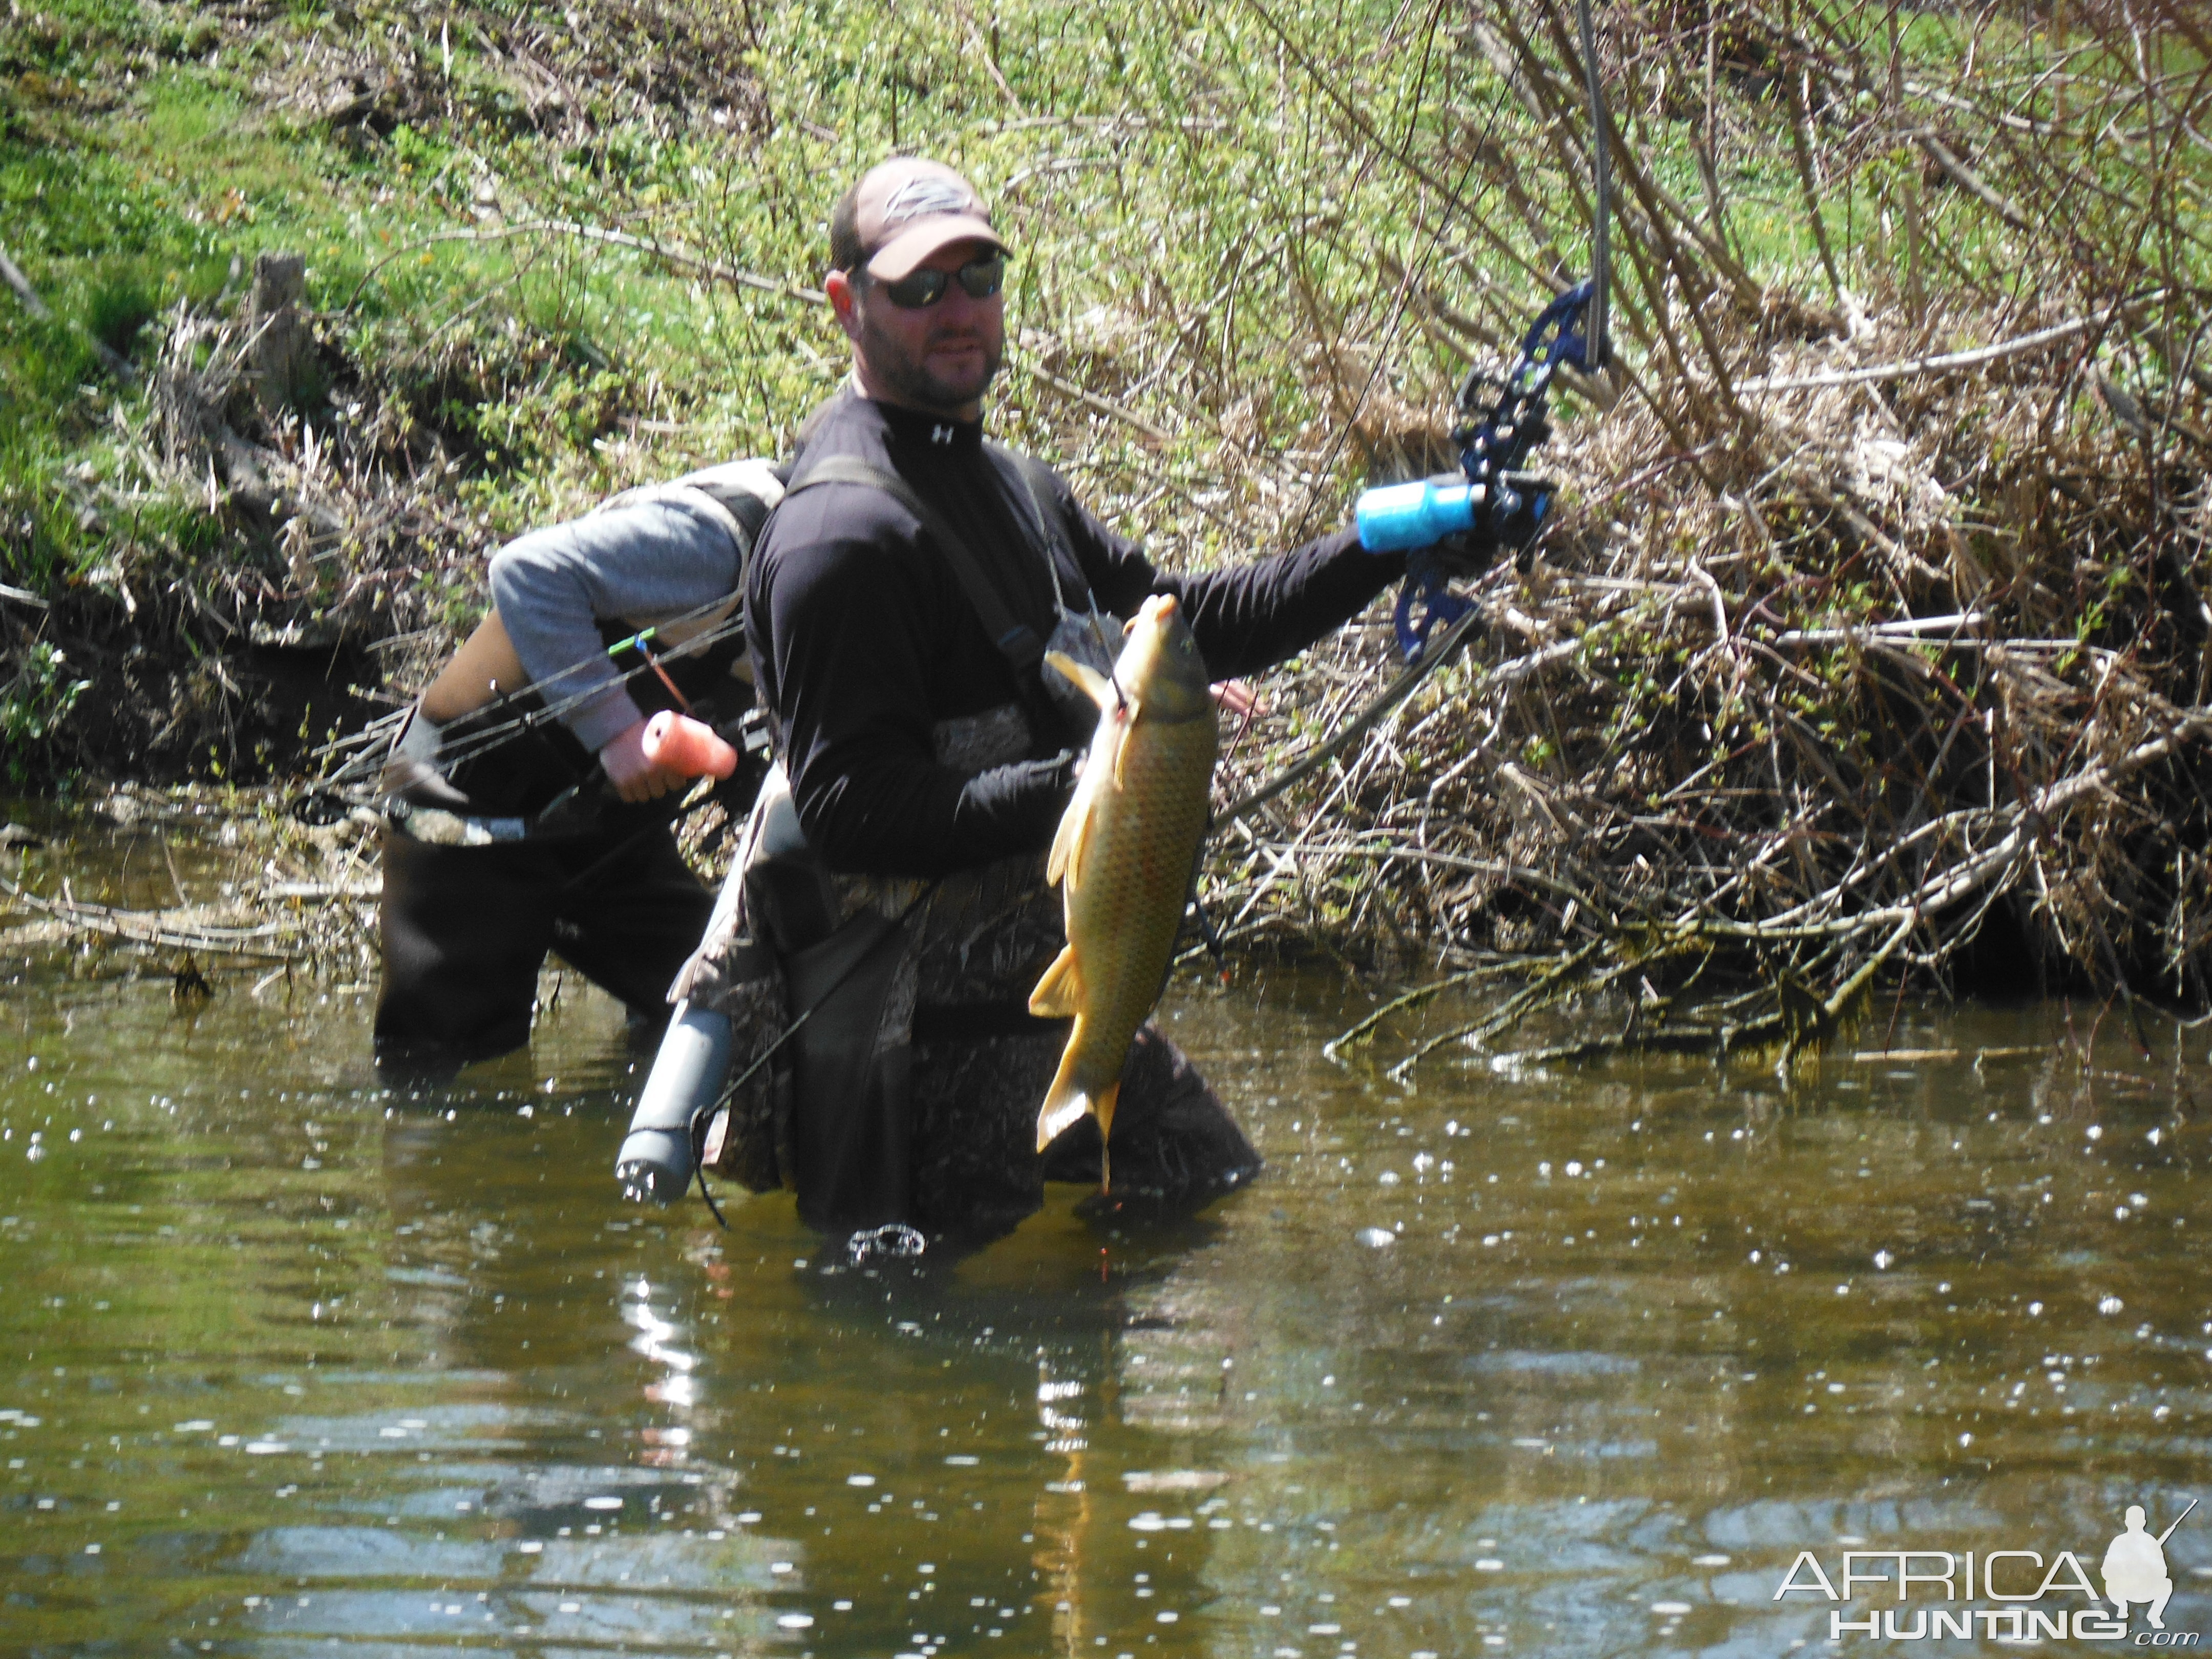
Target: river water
<point x="1567" y="1361"/>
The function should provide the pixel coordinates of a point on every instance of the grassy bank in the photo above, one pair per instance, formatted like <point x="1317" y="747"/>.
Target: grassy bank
<point x="552" y="252"/>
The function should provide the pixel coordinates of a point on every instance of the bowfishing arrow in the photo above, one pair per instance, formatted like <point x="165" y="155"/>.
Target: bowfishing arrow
<point x="1491" y="501"/>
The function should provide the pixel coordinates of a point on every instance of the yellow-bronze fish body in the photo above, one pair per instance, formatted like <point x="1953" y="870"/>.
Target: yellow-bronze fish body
<point x="1125" y="854"/>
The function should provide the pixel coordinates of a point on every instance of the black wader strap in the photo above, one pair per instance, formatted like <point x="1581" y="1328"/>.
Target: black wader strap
<point x="1016" y="640"/>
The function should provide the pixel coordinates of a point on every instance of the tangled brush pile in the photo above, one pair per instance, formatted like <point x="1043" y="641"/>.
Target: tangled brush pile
<point x="1869" y="637"/>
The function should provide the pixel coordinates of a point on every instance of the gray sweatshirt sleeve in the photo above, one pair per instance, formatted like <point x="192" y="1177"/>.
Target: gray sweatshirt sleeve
<point x="639" y="562"/>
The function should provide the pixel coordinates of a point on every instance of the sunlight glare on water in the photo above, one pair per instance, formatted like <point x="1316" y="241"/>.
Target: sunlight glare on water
<point x="1529" y="1360"/>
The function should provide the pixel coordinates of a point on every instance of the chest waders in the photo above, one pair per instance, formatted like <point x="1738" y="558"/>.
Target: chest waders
<point x="822" y="1101"/>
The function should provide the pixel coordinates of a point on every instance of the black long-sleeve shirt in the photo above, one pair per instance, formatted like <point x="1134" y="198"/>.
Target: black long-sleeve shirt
<point x="863" y="639"/>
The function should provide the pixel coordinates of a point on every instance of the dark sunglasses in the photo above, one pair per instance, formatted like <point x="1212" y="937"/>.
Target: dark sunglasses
<point x="979" y="279"/>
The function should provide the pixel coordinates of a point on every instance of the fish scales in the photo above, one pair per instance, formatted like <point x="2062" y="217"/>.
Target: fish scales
<point x="1124" y="856"/>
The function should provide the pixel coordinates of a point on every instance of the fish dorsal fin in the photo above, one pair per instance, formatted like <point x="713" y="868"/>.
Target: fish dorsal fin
<point x="1059" y="994"/>
<point x="1088" y="680"/>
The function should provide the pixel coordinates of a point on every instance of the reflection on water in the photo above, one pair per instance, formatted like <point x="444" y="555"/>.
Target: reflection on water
<point x="1574" y="1361"/>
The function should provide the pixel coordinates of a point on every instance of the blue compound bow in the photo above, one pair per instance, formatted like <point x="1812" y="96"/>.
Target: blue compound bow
<point x="1491" y="501"/>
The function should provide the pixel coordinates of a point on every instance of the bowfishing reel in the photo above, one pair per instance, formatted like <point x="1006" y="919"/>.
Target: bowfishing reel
<point x="1448" y="524"/>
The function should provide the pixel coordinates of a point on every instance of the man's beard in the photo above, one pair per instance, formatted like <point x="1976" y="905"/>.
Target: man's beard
<point x="910" y="381"/>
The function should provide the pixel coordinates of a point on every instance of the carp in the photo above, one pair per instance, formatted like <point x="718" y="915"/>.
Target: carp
<point x="1125" y="855"/>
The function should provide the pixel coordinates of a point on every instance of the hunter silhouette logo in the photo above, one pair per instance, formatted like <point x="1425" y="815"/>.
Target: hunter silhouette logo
<point x="2135" y="1567"/>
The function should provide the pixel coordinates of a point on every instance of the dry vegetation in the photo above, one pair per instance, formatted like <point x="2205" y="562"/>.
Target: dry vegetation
<point x="1874" y="637"/>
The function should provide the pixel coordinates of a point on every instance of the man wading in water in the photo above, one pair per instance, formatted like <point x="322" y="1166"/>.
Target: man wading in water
<point x="896" y="609"/>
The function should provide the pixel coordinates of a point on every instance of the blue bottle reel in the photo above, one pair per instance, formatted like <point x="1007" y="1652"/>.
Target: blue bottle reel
<point x="1399" y="517"/>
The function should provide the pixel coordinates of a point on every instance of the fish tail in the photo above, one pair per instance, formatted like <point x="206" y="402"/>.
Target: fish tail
<point x="1104" y="1107"/>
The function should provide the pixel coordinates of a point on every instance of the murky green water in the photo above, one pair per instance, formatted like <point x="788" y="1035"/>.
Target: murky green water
<point x="1568" y="1363"/>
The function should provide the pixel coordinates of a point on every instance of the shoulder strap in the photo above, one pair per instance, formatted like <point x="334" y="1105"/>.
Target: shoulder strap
<point x="748" y="491"/>
<point x="1016" y="640"/>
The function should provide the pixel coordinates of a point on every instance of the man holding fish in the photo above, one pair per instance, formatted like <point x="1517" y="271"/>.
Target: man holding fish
<point x="936" y="625"/>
